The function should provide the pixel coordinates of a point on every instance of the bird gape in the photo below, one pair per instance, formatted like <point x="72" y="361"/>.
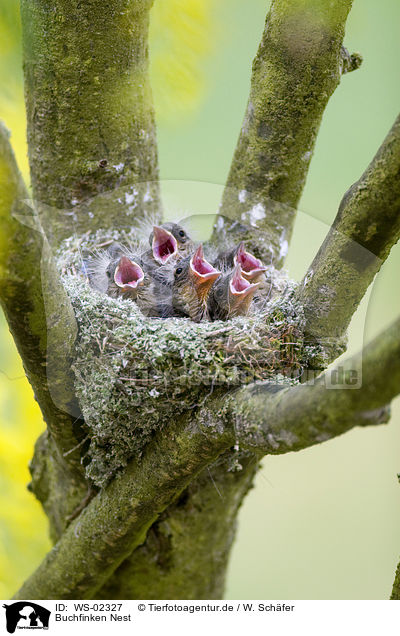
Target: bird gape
<point x="164" y="322"/>
<point x="174" y="279"/>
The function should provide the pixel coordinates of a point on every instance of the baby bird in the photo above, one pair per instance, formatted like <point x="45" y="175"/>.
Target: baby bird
<point x="97" y="266"/>
<point x="156" y="299"/>
<point x="115" y="272"/>
<point x="169" y="242"/>
<point x="231" y="296"/>
<point x="125" y="278"/>
<point x="193" y="280"/>
<point x="252" y="267"/>
<point x="121" y="274"/>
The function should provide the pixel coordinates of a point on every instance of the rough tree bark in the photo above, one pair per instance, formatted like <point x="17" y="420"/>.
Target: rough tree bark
<point x="91" y="127"/>
<point x="160" y="528"/>
<point x="298" y="66"/>
<point x="366" y="226"/>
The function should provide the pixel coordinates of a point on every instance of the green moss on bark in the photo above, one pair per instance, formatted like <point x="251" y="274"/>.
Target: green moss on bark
<point x="186" y="551"/>
<point x="90" y="118"/>
<point x="36" y="306"/>
<point x="365" y="229"/>
<point x="297" y="67"/>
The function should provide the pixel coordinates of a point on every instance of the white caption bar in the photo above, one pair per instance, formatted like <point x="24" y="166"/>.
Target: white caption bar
<point x="339" y="618"/>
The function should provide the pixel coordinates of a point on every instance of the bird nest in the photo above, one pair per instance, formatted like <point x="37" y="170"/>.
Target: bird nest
<point x="136" y="374"/>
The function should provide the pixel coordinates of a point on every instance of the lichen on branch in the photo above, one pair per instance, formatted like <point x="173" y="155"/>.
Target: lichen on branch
<point x="298" y="65"/>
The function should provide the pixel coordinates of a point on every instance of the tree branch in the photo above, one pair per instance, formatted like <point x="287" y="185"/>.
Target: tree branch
<point x="366" y="227"/>
<point x="117" y="520"/>
<point x="193" y="536"/>
<point x="305" y="415"/>
<point x="297" y="67"/>
<point x="395" y="595"/>
<point x="91" y="130"/>
<point x="36" y="306"/>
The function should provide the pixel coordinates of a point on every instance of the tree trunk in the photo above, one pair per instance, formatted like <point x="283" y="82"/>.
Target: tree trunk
<point x="91" y="130"/>
<point x="187" y="550"/>
<point x="92" y="152"/>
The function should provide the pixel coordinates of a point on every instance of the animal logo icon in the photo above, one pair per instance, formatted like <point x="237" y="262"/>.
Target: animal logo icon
<point x="26" y="615"/>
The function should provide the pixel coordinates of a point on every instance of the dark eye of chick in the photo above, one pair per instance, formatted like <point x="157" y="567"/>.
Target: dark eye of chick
<point x="182" y="233"/>
<point x="178" y="271"/>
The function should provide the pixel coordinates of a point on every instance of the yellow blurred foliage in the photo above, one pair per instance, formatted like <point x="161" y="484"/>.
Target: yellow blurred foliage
<point x="12" y="112"/>
<point x="23" y="526"/>
<point x="182" y="34"/>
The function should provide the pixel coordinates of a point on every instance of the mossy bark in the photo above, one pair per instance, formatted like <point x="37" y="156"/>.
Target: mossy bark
<point x="117" y="520"/>
<point x="187" y="550"/>
<point x="43" y="325"/>
<point x="369" y="381"/>
<point x="91" y="130"/>
<point x="59" y="489"/>
<point x="365" y="229"/>
<point x="93" y="160"/>
<point x="395" y="596"/>
<point x="37" y="307"/>
<point x="297" y="67"/>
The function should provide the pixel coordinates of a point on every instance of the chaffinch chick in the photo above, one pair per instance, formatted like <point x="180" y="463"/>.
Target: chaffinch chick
<point x="169" y="242"/>
<point x="252" y="267"/>
<point x="231" y="296"/>
<point x="193" y="280"/>
<point x="156" y="299"/>
<point x="116" y="272"/>
<point x="120" y="274"/>
<point x="99" y="264"/>
<point x="125" y="278"/>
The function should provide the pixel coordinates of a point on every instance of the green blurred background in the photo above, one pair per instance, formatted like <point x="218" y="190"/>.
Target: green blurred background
<point x="323" y="523"/>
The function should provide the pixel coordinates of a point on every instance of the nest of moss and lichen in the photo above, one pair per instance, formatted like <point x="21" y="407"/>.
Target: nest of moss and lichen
<point x="136" y="374"/>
